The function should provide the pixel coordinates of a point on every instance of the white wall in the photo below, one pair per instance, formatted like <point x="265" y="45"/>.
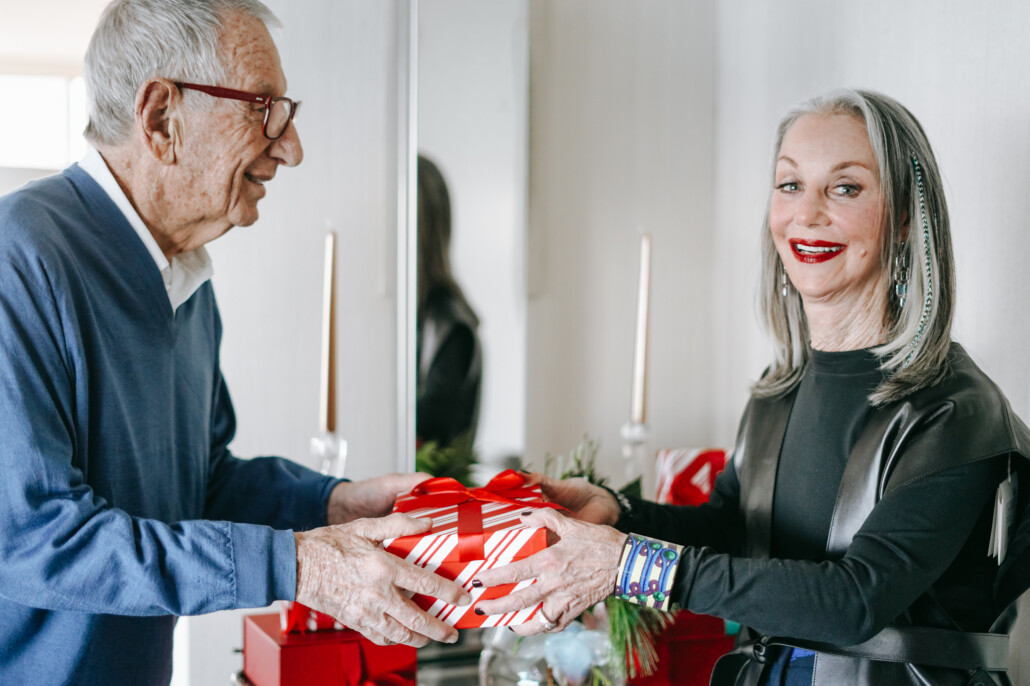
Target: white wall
<point x="340" y="60"/>
<point x="473" y="122"/>
<point x="621" y="122"/>
<point x="12" y="178"/>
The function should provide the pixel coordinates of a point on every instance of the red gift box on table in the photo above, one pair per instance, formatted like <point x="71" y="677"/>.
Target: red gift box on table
<point x="298" y="618"/>
<point x="320" y="658"/>
<point x="473" y="529"/>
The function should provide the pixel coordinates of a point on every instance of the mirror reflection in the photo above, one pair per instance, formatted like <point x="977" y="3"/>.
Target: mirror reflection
<point x="449" y="356"/>
<point x="473" y="66"/>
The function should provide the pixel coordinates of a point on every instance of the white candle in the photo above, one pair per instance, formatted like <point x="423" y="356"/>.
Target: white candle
<point x="638" y="409"/>
<point x="327" y="408"/>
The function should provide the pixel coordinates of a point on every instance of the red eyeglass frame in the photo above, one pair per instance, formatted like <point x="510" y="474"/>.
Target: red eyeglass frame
<point x="266" y="100"/>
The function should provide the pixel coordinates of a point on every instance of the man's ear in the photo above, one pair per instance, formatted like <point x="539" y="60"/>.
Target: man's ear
<point x="158" y="109"/>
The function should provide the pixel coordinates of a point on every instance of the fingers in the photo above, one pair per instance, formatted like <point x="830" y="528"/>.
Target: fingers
<point x="406" y="623"/>
<point x="570" y="493"/>
<point x="533" y="478"/>
<point x="385" y="631"/>
<point x="375" y="636"/>
<point x="515" y="572"/>
<point x="402" y="483"/>
<point x="554" y="489"/>
<point x="418" y="580"/>
<point x="548" y="519"/>
<point x="390" y="526"/>
<point x="513" y="602"/>
<point x="530" y="628"/>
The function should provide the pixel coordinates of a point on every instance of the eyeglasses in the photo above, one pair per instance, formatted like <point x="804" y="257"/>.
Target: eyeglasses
<point x="279" y="112"/>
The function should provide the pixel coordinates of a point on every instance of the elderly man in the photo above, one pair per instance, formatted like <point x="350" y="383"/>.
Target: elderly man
<point x="121" y="506"/>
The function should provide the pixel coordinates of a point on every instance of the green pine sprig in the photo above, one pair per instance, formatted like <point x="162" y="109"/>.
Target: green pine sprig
<point x="455" y="460"/>
<point x="632" y="628"/>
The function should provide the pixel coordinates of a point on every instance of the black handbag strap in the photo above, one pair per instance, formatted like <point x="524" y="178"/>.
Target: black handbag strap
<point x="921" y="646"/>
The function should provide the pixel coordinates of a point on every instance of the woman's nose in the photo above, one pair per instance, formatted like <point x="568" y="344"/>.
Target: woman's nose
<point x="811" y="209"/>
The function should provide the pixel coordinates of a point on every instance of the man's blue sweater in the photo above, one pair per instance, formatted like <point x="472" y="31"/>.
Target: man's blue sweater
<point x="121" y="506"/>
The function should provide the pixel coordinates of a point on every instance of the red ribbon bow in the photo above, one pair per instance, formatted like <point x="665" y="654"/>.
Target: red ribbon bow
<point x="507" y="487"/>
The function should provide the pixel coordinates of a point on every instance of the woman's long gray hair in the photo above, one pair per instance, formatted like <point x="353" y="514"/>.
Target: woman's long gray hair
<point x="136" y="40"/>
<point x="916" y="228"/>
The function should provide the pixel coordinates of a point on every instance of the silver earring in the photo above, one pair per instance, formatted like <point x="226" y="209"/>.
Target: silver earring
<point x="783" y="281"/>
<point x="901" y="275"/>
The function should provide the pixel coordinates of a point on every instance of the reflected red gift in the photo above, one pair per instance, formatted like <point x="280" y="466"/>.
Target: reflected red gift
<point x="473" y="529"/>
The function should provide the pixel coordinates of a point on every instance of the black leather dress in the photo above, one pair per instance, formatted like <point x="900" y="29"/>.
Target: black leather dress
<point x="960" y="422"/>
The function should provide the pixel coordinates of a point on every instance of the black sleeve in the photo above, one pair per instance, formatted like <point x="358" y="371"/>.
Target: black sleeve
<point x="444" y="409"/>
<point x="936" y="525"/>
<point x="716" y="524"/>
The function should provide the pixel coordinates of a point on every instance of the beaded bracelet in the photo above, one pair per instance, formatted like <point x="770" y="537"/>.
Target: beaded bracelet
<point x="646" y="571"/>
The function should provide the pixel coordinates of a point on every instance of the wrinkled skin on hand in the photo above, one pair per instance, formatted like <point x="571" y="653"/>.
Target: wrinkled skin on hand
<point x="572" y="575"/>
<point x="344" y="572"/>
<point x="584" y="500"/>
<point x="352" y="500"/>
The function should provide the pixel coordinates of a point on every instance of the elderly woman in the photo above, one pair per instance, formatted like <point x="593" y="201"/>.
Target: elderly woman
<point x="850" y="533"/>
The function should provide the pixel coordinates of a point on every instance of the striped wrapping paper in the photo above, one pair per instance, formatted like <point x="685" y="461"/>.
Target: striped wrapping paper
<point x="504" y="540"/>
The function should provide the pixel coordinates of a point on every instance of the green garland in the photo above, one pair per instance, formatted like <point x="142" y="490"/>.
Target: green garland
<point x="632" y="628"/>
<point x="455" y="460"/>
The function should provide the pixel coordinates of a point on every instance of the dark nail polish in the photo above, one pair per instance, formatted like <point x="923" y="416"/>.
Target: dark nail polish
<point x="476" y="583"/>
<point x="526" y="513"/>
<point x="525" y="471"/>
<point x="479" y="612"/>
<point x="511" y="629"/>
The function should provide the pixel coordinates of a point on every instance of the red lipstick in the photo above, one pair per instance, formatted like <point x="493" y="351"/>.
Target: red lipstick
<point x="814" y="252"/>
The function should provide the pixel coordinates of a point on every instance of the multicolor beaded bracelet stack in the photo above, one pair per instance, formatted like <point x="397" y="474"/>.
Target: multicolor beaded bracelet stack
<point x="646" y="571"/>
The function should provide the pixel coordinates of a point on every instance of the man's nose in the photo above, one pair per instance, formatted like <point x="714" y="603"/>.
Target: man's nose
<point x="287" y="150"/>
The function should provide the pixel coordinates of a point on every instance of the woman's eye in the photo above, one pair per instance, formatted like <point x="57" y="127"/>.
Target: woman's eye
<point x="848" y="190"/>
<point x="788" y="187"/>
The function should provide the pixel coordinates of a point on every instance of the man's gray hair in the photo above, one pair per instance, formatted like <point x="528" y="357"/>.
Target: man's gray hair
<point x="918" y="335"/>
<point x="136" y="40"/>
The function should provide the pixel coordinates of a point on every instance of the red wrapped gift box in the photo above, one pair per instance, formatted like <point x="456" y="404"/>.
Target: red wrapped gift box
<point x="320" y="658"/>
<point x="687" y="651"/>
<point x="473" y="529"/>
<point x="299" y="619"/>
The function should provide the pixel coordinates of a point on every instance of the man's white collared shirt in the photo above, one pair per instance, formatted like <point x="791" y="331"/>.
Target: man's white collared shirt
<point x="187" y="271"/>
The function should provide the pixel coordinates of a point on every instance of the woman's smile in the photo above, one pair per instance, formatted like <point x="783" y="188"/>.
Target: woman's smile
<point x="814" y="251"/>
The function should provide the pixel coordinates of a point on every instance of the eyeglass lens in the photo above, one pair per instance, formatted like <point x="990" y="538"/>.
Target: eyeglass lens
<point x="278" y="118"/>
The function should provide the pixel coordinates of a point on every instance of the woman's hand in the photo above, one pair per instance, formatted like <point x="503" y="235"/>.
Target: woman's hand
<point x="583" y="499"/>
<point x="572" y="575"/>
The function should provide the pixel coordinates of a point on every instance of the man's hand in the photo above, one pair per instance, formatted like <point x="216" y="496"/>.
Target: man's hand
<point x="584" y="500"/>
<point x="572" y="575"/>
<point x="343" y="572"/>
<point x="352" y="500"/>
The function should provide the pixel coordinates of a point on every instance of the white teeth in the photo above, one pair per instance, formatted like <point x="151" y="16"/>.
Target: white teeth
<point x="251" y="178"/>
<point x="815" y="250"/>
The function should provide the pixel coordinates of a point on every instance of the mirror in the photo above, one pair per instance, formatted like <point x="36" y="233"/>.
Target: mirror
<point x="473" y="64"/>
